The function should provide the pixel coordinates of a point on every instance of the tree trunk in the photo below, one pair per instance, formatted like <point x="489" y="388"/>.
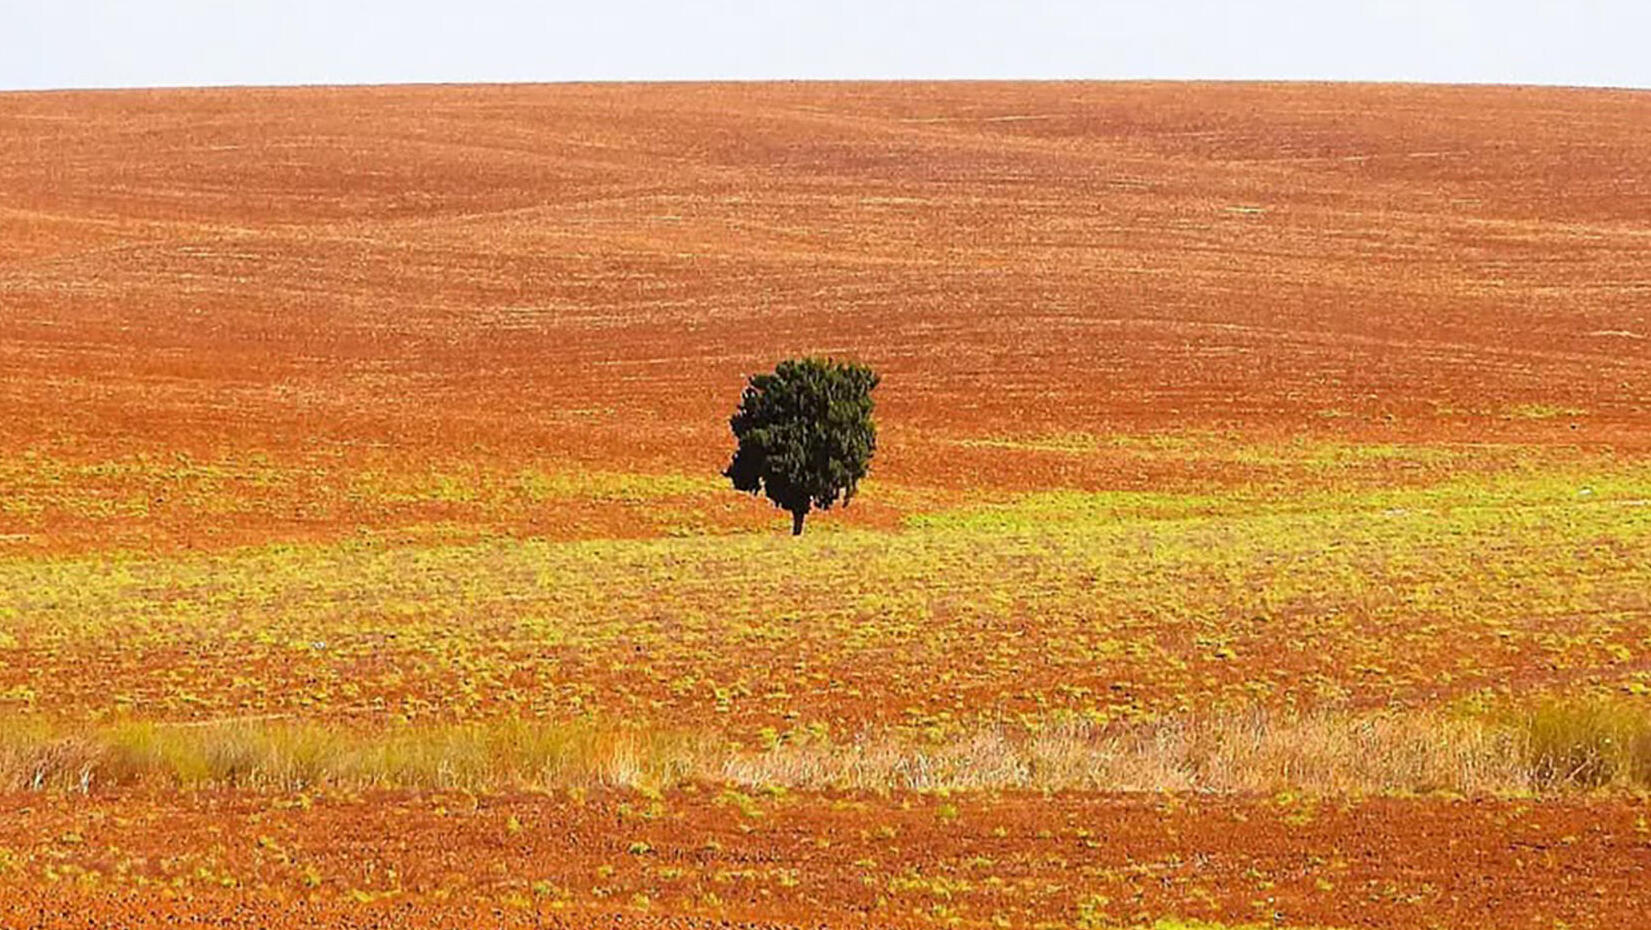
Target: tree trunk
<point x="797" y="522"/>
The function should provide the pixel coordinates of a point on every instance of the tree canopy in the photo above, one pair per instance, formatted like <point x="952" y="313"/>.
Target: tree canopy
<point x="805" y="433"/>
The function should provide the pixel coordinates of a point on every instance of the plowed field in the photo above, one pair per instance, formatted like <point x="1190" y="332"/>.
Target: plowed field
<point x="389" y="410"/>
<point x="385" y="860"/>
<point x="305" y="287"/>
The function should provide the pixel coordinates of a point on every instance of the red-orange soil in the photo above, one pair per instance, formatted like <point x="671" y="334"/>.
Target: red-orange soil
<point x="406" y="279"/>
<point x="619" y="860"/>
<point x="241" y="317"/>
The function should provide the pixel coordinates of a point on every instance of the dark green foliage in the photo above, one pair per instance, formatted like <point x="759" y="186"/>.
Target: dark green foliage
<point x="805" y="434"/>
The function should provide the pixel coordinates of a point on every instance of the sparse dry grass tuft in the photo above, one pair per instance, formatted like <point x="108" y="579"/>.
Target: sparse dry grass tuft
<point x="1256" y="752"/>
<point x="1592" y="744"/>
<point x="287" y="756"/>
<point x="1554" y="747"/>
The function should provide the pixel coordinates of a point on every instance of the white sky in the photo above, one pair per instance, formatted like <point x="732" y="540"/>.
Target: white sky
<point x="110" y="43"/>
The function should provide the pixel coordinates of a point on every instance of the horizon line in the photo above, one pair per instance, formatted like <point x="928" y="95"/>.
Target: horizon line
<point x="714" y="81"/>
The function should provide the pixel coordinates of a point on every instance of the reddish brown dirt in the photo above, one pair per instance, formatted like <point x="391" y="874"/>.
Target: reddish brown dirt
<point x="240" y="860"/>
<point x="410" y="277"/>
<point x="246" y="316"/>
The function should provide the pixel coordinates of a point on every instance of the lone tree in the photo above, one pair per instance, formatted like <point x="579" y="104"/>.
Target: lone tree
<point x="805" y="435"/>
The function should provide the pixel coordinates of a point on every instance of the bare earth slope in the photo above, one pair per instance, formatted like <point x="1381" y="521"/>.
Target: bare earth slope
<point x="334" y="415"/>
<point x="450" y="861"/>
<point x="588" y="271"/>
